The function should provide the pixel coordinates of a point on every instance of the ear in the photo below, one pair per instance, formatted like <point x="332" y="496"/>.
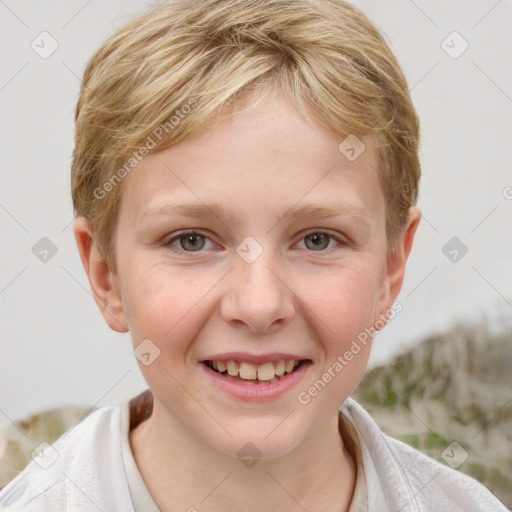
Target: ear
<point x="103" y="282"/>
<point x="391" y="282"/>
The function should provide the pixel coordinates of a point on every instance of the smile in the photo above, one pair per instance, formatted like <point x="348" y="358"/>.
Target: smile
<point x="261" y="382"/>
<point x="256" y="373"/>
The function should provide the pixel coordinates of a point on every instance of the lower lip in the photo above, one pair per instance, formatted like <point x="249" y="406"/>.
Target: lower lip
<point x="252" y="391"/>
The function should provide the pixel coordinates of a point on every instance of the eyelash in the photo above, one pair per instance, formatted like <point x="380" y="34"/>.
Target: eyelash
<point x="197" y="232"/>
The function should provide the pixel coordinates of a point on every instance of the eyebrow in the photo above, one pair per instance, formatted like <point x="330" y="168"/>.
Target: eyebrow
<point x="199" y="210"/>
<point x="227" y="214"/>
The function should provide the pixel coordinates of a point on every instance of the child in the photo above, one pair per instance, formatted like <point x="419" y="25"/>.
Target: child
<point x="244" y="180"/>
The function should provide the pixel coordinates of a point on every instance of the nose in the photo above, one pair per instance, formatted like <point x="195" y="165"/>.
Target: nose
<point x="257" y="297"/>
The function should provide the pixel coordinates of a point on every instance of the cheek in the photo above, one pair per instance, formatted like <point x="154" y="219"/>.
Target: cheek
<point x="343" y="308"/>
<point x="342" y="299"/>
<point x="166" y="306"/>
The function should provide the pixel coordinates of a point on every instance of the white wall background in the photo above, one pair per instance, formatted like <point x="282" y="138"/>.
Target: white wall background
<point x="56" y="348"/>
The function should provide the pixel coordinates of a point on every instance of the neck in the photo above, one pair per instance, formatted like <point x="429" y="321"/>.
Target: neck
<point x="316" y="476"/>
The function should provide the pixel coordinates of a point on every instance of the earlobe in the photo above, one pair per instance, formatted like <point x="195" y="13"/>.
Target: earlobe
<point x="106" y="295"/>
<point x="395" y="265"/>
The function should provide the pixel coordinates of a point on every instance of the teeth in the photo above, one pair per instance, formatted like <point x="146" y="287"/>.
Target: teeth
<point x="264" y="372"/>
<point x="232" y="368"/>
<point x="248" y="371"/>
<point x="280" y="367"/>
<point x="290" y="365"/>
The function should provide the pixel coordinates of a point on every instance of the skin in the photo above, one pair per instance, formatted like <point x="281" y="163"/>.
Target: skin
<point x="291" y="299"/>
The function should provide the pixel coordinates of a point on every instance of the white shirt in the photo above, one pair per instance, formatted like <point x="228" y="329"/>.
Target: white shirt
<point x="95" y="470"/>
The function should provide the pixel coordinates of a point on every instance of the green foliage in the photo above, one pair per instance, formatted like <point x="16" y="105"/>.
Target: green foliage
<point x="435" y="440"/>
<point x="390" y="395"/>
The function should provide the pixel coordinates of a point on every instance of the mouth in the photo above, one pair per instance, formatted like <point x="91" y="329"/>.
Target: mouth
<point x="266" y="373"/>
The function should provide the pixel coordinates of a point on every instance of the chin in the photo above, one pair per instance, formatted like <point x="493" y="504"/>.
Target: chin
<point x="259" y="439"/>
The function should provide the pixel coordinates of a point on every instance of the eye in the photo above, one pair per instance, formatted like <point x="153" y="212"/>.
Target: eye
<point x="319" y="240"/>
<point x="193" y="241"/>
<point x="188" y="241"/>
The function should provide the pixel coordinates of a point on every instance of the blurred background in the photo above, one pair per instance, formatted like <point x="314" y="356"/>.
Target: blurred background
<point x="439" y="372"/>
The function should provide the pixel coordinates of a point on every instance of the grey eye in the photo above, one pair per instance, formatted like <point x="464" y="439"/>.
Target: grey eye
<point x="192" y="242"/>
<point x="318" y="241"/>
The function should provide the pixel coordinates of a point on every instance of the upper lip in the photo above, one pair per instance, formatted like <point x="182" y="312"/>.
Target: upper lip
<point x="253" y="358"/>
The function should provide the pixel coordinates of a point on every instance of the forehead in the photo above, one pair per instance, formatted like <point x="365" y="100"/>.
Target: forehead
<point x="266" y="156"/>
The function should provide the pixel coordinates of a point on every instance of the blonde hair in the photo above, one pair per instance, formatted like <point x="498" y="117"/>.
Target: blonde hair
<point x="159" y="78"/>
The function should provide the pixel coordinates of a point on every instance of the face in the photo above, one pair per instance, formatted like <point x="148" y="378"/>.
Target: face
<point x="250" y="247"/>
